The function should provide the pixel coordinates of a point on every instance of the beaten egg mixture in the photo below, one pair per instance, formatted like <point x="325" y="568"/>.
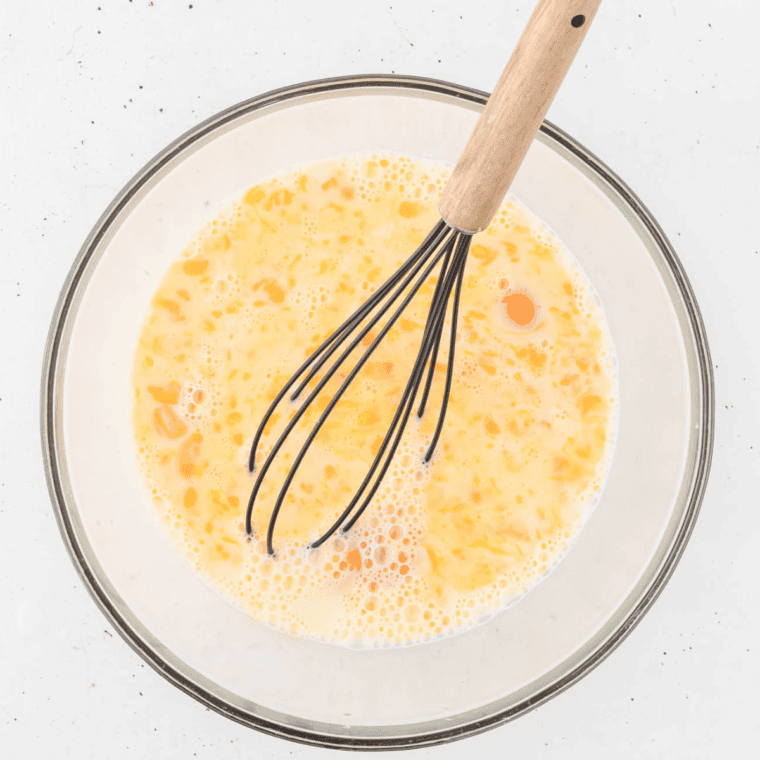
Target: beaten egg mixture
<point x="527" y="437"/>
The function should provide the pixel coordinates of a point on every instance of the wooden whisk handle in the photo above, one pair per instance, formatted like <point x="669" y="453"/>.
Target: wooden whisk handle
<point x="514" y="112"/>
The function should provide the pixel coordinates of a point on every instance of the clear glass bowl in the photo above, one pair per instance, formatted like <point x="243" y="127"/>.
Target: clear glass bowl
<point x="424" y="694"/>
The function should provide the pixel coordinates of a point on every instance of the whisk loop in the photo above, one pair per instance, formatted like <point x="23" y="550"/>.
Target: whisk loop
<point x="444" y="245"/>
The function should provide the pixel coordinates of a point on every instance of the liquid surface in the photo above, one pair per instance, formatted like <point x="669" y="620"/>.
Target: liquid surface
<point x="524" y="450"/>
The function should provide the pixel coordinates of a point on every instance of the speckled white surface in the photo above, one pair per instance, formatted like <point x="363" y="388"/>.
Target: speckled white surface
<point x="665" y="92"/>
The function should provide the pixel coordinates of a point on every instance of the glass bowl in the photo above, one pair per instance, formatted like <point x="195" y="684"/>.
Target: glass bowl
<point x="402" y="697"/>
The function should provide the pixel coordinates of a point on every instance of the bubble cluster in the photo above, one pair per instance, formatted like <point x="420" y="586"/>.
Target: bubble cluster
<point x="199" y="402"/>
<point x="375" y="175"/>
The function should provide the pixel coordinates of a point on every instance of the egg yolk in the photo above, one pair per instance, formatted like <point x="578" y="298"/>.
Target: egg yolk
<point x="519" y="308"/>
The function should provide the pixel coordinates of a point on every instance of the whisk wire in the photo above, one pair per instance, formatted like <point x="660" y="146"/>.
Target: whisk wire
<point x="431" y="371"/>
<point x="464" y="245"/>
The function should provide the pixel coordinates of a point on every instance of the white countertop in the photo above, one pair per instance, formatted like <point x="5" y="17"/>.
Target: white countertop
<point x="666" y="93"/>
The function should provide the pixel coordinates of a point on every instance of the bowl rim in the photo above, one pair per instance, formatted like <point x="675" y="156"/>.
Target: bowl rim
<point x="52" y="373"/>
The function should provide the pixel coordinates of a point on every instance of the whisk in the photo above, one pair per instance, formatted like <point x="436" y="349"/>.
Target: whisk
<point x="477" y="185"/>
